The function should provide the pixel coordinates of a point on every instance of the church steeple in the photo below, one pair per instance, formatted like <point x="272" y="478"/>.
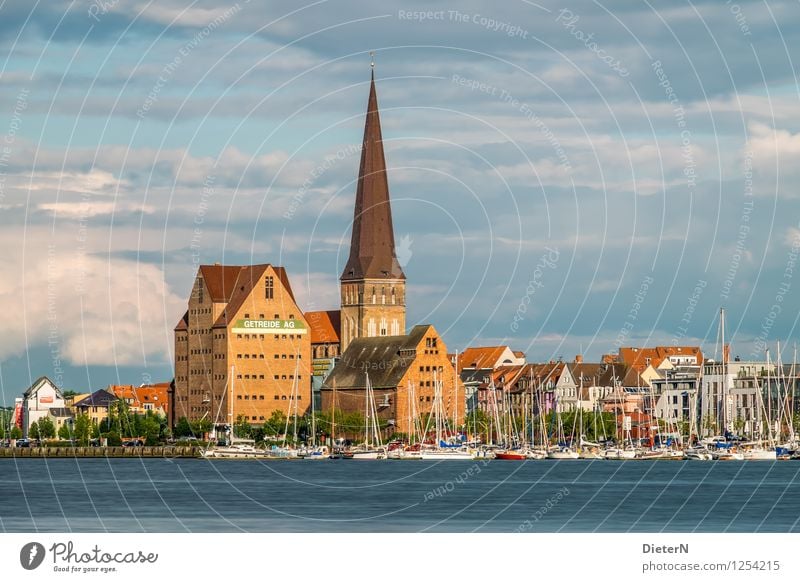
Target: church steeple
<point x="373" y="282"/>
<point x="372" y="252"/>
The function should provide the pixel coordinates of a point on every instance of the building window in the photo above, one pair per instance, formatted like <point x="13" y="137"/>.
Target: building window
<point x="269" y="291"/>
<point x="199" y="290"/>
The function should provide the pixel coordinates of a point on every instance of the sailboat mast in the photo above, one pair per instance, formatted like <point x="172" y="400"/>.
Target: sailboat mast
<point x="230" y="425"/>
<point x="724" y="371"/>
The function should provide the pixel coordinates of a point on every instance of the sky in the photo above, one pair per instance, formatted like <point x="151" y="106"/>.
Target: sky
<point x="565" y="178"/>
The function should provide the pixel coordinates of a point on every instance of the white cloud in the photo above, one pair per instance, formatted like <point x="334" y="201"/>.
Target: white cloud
<point x="86" y="309"/>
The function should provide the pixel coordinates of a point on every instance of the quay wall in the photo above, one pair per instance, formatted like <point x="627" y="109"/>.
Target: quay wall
<point x="107" y="452"/>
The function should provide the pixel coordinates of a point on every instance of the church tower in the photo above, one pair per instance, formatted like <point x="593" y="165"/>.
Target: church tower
<point x="373" y="285"/>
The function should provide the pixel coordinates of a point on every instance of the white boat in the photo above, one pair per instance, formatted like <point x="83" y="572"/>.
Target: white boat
<point x="727" y="455"/>
<point x="445" y="454"/>
<point x="562" y="453"/>
<point x="590" y="453"/>
<point x="277" y="452"/>
<point x="368" y="454"/>
<point x="661" y="454"/>
<point x="241" y="449"/>
<point x="759" y="454"/>
<point x="698" y="453"/>
<point x="316" y="454"/>
<point x="617" y="454"/>
<point x="535" y="454"/>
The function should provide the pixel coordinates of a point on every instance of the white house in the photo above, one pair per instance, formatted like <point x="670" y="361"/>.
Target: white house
<point x="37" y="401"/>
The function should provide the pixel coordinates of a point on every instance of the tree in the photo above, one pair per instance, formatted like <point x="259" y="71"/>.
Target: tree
<point x="200" y="427"/>
<point x="242" y="428"/>
<point x="182" y="428"/>
<point x="47" y="429"/>
<point x="63" y="432"/>
<point x="33" y="430"/>
<point x="113" y="439"/>
<point x="82" y="430"/>
<point x="150" y="428"/>
<point x="16" y="432"/>
<point x="275" y="424"/>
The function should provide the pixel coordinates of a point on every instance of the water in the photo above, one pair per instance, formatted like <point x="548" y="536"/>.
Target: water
<point x="190" y="495"/>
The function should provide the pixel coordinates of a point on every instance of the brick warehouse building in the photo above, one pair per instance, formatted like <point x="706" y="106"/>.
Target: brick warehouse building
<point x="245" y="319"/>
<point x="401" y="368"/>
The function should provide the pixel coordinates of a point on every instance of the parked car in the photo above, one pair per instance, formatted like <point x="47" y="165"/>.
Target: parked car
<point x="23" y="443"/>
<point x="133" y="443"/>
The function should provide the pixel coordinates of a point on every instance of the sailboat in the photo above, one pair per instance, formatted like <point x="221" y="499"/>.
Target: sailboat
<point x="442" y="451"/>
<point x="237" y="448"/>
<point x="562" y="451"/>
<point x="372" y="449"/>
<point x="314" y="452"/>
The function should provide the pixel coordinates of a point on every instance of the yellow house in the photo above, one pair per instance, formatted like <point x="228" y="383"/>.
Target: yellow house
<point x="95" y="405"/>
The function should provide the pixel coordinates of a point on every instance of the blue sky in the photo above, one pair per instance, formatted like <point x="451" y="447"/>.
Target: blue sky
<point x="565" y="178"/>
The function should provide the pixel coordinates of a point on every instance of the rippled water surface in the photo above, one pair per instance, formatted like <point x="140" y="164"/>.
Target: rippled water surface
<point x="162" y="495"/>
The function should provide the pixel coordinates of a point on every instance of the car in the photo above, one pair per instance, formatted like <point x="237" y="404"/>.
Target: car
<point x="133" y="443"/>
<point x="23" y="444"/>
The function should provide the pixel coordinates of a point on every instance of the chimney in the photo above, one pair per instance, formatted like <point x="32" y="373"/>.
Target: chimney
<point x="579" y="359"/>
<point x="726" y="353"/>
<point x="608" y="358"/>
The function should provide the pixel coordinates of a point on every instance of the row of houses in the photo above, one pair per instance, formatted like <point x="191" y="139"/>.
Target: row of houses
<point x="44" y="399"/>
<point x="675" y="385"/>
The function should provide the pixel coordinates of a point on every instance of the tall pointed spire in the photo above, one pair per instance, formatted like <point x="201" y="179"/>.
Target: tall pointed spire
<point x="372" y="252"/>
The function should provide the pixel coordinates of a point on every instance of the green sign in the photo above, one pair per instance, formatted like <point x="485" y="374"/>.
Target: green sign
<point x="272" y="326"/>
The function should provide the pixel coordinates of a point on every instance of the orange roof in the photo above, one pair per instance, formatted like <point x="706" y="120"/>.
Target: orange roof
<point x="640" y="358"/>
<point x="155" y="394"/>
<point x="325" y="326"/>
<point x="480" y="358"/>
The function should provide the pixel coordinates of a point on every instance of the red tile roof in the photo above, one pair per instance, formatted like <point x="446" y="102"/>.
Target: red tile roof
<point x="480" y="358"/>
<point x="325" y="326"/>
<point x="155" y="394"/>
<point x="639" y="358"/>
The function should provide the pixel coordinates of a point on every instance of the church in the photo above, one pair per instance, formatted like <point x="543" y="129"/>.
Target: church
<point x="402" y="368"/>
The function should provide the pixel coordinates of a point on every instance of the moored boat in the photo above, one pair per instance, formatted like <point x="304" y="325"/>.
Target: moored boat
<point x="241" y="449"/>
